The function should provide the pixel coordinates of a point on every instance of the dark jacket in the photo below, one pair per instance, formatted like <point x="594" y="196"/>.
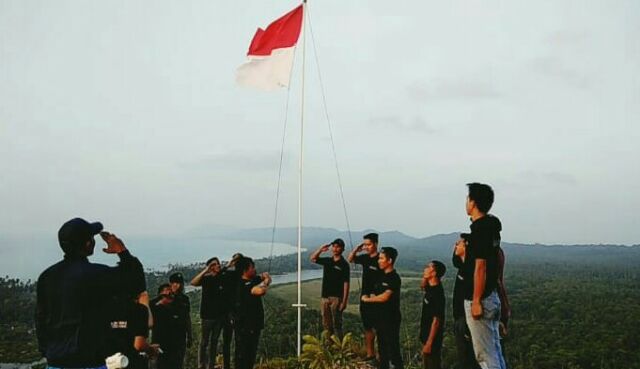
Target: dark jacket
<point x="72" y="323"/>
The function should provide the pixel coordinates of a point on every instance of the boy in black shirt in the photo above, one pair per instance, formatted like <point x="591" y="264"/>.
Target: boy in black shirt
<point x="371" y="274"/>
<point x="464" y="347"/>
<point x="387" y="297"/>
<point x="335" y="286"/>
<point x="432" y="318"/>
<point x="213" y="314"/>
<point x="169" y="328"/>
<point x="482" y="304"/>
<point x="249" y="312"/>
<point x="129" y="323"/>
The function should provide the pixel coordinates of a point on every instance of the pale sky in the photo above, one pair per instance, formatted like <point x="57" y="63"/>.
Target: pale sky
<point x="127" y="112"/>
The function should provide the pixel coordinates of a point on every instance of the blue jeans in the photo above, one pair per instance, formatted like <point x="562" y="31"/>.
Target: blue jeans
<point x="485" y="334"/>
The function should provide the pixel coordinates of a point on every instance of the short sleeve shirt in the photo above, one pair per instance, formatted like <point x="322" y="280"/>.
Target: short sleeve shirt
<point x="334" y="275"/>
<point x="484" y="242"/>
<point x="169" y="324"/>
<point x="390" y="308"/>
<point x="128" y="321"/>
<point x="433" y="306"/>
<point x="371" y="272"/>
<point x="213" y="304"/>
<point x="249" y="312"/>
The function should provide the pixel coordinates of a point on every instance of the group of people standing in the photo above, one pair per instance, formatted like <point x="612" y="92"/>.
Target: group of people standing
<point x="94" y="316"/>
<point x="87" y="312"/>
<point x="231" y="305"/>
<point x="480" y="305"/>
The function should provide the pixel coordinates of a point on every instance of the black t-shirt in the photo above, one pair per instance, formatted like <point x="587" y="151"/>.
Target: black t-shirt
<point x="249" y="312"/>
<point x="458" y="288"/>
<point x="334" y="275"/>
<point x="213" y="304"/>
<point x="183" y="299"/>
<point x="371" y="272"/>
<point x="390" y="310"/>
<point x="128" y="320"/>
<point x="484" y="242"/>
<point x="433" y="304"/>
<point x="230" y="279"/>
<point x="170" y="324"/>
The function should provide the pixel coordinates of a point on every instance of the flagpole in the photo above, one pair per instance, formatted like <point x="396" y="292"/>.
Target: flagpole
<point x="299" y="304"/>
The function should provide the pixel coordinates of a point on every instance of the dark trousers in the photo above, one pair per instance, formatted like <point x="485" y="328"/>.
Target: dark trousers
<point x="464" y="346"/>
<point x="388" y="334"/>
<point x="208" y="350"/>
<point x="246" y="348"/>
<point x="432" y="360"/>
<point x="172" y="358"/>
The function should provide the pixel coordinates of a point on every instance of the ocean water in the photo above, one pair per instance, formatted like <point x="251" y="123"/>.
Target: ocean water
<point x="27" y="257"/>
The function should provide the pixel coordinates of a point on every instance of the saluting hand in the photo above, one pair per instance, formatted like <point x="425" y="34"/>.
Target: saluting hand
<point x="266" y="278"/>
<point x="324" y="248"/>
<point x="114" y="244"/>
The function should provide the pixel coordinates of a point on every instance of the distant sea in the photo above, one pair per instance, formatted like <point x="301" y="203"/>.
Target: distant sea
<point x="27" y="257"/>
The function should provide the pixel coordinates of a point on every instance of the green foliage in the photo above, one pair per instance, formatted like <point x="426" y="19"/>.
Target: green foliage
<point x="328" y="352"/>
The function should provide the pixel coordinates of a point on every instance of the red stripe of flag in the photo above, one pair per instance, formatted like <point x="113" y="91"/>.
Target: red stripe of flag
<point x="281" y="33"/>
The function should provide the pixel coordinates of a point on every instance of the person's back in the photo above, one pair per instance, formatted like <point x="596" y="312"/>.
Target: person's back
<point x="71" y="321"/>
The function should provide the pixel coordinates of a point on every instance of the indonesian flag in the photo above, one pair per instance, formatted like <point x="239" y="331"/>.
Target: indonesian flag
<point x="271" y="53"/>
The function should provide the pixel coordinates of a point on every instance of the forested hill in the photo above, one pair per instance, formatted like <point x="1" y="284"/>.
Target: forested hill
<point x="414" y="252"/>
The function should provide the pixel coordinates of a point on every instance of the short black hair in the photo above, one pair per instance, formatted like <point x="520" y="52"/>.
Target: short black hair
<point x="244" y="263"/>
<point x="440" y="268"/>
<point x="373" y="237"/>
<point x="215" y="258"/>
<point x="391" y="253"/>
<point x="482" y="195"/>
<point x="162" y="287"/>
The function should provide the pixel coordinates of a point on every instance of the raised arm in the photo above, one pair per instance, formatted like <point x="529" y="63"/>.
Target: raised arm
<point x="352" y="255"/>
<point x="261" y="289"/>
<point x="316" y="254"/>
<point x="197" y="280"/>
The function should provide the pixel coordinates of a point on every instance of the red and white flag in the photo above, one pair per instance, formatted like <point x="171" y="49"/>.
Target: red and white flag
<point x="271" y="53"/>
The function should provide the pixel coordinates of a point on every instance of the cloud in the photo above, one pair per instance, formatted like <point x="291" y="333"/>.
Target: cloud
<point x="464" y="89"/>
<point x="553" y="67"/>
<point x="416" y="124"/>
<point x="565" y="48"/>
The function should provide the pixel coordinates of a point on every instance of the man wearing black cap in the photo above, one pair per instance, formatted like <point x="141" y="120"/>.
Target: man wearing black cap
<point x="166" y="321"/>
<point x="335" y="285"/>
<point x="72" y="325"/>
<point x="184" y="334"/>
<point x="371" y="274"/>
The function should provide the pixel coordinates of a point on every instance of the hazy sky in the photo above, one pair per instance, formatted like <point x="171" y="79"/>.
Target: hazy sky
<point x="127" y="112"/>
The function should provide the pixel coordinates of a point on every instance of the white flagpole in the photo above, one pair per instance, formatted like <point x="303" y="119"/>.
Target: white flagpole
<point x="299" y="304"/>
